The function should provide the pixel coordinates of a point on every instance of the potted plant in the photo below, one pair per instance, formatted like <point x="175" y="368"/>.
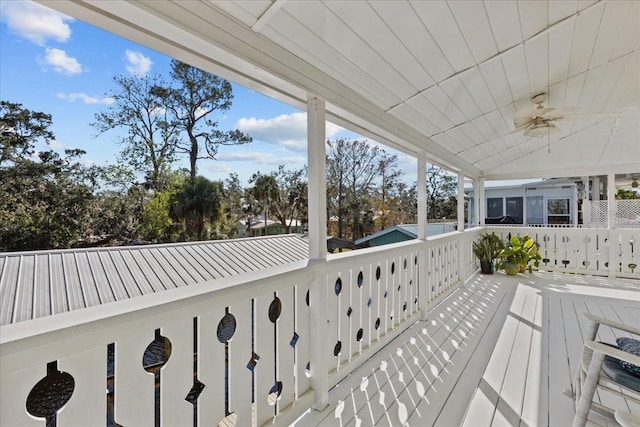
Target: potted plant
<point x="486" y="249"/>
<point x="516" y="256"/>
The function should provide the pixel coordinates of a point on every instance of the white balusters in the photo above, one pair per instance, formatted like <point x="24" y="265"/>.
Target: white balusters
<point x="239" y="353"/>
<point x="596" y="251"/>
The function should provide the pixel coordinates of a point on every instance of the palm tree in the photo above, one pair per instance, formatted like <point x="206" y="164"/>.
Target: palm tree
<point x="198" y="201"/>
<point x="265" y="188"/>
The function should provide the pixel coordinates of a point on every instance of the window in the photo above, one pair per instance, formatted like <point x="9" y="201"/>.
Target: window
<point x="558" y="211"/>
<point x="494" y="207"/>
<point x="535" y="210"/>
<point x="514" y="209"/>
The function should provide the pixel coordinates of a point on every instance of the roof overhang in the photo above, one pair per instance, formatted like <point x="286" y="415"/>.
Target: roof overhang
<point x="441" y="78"/>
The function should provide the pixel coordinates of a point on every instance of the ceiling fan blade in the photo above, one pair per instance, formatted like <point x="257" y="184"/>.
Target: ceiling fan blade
<point x="560" y="112"/>
<point x="588" y="116"/>
<point x="519" y="123"/>
<point x="535" y="112"/>
<point x="521" y="128"/>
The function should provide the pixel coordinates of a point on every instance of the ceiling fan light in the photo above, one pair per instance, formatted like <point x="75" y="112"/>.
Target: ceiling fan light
<point x="541" y="130"/>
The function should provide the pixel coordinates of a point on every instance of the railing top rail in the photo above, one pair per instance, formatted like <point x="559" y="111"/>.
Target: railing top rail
<point x="224" y="290"/>
<point x="367" y="254"/>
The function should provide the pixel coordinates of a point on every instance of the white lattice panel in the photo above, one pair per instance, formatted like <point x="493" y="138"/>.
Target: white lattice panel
<point x="628" y="212"/>
<point x="598" y="211"/>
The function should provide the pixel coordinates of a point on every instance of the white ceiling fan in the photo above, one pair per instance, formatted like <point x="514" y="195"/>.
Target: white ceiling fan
<point x="540" y="121"/>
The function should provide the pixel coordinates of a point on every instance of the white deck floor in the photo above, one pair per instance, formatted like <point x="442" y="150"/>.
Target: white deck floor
<point x="498" y="352"/>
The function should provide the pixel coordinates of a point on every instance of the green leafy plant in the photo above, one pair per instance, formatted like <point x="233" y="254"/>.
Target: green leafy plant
<point x="518" y="254"/>
<point x="486" y="249"/>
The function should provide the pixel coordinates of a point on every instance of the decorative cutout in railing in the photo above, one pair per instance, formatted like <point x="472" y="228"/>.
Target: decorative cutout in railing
<point x="235" y="355"/>
<point x="584" y="250"/>
<point x="200" y="363"/>
<point x="367" y="297"/>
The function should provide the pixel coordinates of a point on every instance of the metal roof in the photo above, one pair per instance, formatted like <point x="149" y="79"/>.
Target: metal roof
<point x="411" y="230"/>
<point x="44" y="283"/>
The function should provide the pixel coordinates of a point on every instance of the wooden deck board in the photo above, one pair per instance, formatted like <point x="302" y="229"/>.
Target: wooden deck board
<point x="500" y="351"/>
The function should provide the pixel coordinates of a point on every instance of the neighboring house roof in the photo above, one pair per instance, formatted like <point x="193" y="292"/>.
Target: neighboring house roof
<point x="43" y="283"/>
<point x="339" y="243"/>
<point x="411" y="230"/>
<point x="260" y="224"/>
<point x="548" y="183"/>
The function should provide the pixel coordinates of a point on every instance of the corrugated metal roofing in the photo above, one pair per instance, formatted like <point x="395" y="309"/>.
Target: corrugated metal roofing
<point x="43" y="283"/>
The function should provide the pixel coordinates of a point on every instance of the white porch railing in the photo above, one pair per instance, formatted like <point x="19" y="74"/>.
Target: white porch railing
<point x="235" y="351"/>
<point x="595" y="251"/>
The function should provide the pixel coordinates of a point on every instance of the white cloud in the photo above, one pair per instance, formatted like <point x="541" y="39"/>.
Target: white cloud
<point x="87" y="99"/>
<point x="217" y="167"/>
<point x="288" y="130"/>
<point x="259" y="157"/>
<point x="137" y="63"/>
<point x="61" y="62"/>
<point x="35" y="22"/>
<point x="56" y="145"/>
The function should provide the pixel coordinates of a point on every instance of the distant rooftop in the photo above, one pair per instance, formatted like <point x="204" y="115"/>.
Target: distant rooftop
<point x="43" y="283"/>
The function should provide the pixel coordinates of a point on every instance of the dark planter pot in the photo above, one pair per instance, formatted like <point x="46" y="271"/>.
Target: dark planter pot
<point x="486" y="267"/>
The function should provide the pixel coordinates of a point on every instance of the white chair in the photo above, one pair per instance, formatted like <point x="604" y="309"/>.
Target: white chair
<point x="600" y="368"/>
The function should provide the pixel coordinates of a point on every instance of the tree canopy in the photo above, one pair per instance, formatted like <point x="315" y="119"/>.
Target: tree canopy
<point x="20" y="128"/>
<point x="55" y="200"/>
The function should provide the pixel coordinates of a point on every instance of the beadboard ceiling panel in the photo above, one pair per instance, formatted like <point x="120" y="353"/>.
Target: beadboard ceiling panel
<point x="443" y="77"/>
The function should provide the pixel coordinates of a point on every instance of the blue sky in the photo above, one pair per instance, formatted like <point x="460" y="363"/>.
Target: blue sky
<point x="65" y="67"/>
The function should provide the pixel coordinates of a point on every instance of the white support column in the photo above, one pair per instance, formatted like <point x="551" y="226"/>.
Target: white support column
<point x="574" y="212"/>
<point x="482" y="203"/>
<point x="611" y="201"/>
<point x="595" y="188"/>
<point x="476" y="202"/>
<point x="422" y="197"/>
<point x="614" y="239"/>
<point x="586" y="204"/>
<point x="423" y="284"/>
<point x="460" y="201"/>
<point x="316" y="155"/>
<point x="316" y="159"/>
<point x="461" y="243"/>
<point x="524" y="205"/>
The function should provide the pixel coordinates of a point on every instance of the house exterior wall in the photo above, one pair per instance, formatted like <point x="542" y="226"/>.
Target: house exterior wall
<point x="532" y="205"/>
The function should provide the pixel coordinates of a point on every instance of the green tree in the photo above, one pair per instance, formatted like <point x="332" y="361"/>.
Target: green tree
<point x="622" y="194"/>
<point x="441" y="193"/>
<point x="195" y="96"/>
<point x="352" y="167"/>
<point x="20" y="129"/>
<point x="196" y="204"/>
<point x="289" y="201"/>
<point x="46" y="204"/>
<point x="152" y="134"/>
<point x="407" y="203"/>
<point x="156" y="222"/>
<point x="117" y="204"/>
<point x="387" y="201"/>
<point x="232" y="206"/>
<point x="265" y="190"/>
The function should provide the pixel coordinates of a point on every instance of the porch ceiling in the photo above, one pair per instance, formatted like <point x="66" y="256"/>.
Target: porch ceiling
<point x="445" y="77"/>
